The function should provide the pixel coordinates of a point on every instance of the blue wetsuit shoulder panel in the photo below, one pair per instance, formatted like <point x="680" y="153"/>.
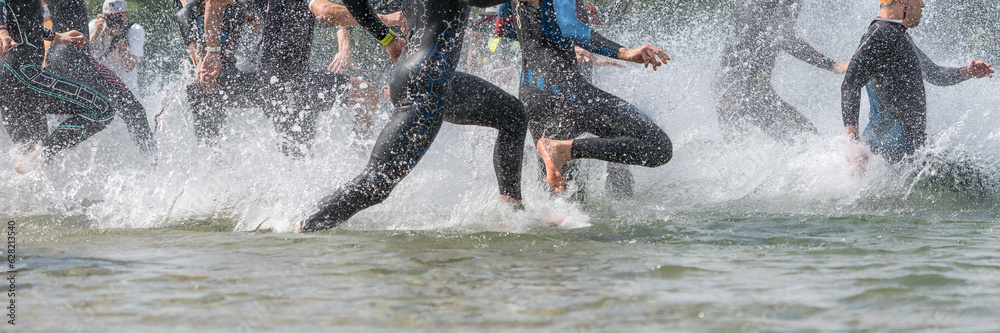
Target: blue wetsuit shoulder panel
<point x="561" y="26"/>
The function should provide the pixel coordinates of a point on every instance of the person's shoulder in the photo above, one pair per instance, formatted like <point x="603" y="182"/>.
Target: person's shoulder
<point x="886" y="29"/>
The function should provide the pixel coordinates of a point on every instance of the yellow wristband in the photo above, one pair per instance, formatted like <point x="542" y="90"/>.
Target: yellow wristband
<point x="388" y="38"/>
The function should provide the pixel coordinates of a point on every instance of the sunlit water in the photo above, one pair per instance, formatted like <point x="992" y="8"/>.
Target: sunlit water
<point x="744" y="236"/>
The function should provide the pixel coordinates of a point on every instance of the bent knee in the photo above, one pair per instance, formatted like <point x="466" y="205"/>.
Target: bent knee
<point x="516" y="119"/>
<point x="103" y="113"/>
<point x="662" y="154"/>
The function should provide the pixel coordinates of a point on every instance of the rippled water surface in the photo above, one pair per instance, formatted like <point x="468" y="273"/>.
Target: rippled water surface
<point x="811" y="274"/>
<point x="743" y="236"/>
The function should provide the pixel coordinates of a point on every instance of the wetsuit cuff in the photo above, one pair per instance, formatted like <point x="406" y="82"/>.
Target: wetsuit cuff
<point x="387" y="38"/>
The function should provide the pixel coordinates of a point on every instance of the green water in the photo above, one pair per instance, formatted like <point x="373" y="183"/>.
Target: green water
<point x="714" y="275"/>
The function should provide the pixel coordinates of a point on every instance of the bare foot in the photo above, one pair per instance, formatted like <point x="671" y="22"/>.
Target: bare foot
<point x="27" y="163"/>
<point x="555" y="153"/>
<point x="552" y="221"/>
<point x="510" y="201"/>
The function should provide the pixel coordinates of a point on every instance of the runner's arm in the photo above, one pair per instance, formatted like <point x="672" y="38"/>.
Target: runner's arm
<point x="561" y="26"/>
<point x="805" y="51"/>
<point x="938" y="75"/>
<point x="364" y="14"/>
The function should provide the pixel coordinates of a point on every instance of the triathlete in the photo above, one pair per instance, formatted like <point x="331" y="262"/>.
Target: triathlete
<point x="79" y="64"/>
<point x="760" y="29"/>
<point x="28" y="93"/>
<point x="427" y="91"/>
<point x="292" y="93"/>
<point x="236" y="88"/>
<point x="893" y="69"/>
<point x="562" y="104"/>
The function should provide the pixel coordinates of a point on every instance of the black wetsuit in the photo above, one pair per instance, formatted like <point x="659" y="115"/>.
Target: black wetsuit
<point x="236" y="88"/>
<point x="374" y="65"/>
<point x="619" y="182"/>
<point x="760" y="30"/>
<point x="78" y="63"/>
<point x="592" y="15"/>
<point x="894" y="70"/>
<point x="561" y="102"/>
<point x="292" y="92"/>
<point x="427" y="91"/>
<point x="27" y="92"/>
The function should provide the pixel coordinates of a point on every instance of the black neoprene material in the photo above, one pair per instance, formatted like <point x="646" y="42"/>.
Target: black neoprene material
<point x="293" y="93"/>
<point x="562" y="104"/>
<point x="427" y="91"/>
<point x="760" y="30"/>
<point x="28" y="93"/>
<point x="185" y="18"/>
<point x="79" y="64"/>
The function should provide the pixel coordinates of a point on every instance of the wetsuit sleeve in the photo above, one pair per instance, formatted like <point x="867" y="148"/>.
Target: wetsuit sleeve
<point x="365" y="15"/>
<point x="937" y="75"/>
<point x="859" y="72"/>
<point x="186" y="18"/>
<point x="561" y="26"/>
<point x="800" y="48"/>
<point x="505" y="23"/>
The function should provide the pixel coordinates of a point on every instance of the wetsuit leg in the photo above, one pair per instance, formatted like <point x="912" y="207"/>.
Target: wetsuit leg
<point x="474" y="101"/>
<point x="235" y="89"/>
<point x="31" y="88"/>
<point x="625" y="135"/>
<point x="21" y="117"/>
<point x="778" y="119"/>
<point x="420" y="83"/>
<point x="69" y="61"/>
<point x="741" y="104"/>
<point x="208" y="113"/>
<point x="546" y="121"/>
<point x="132" y="111"/>
<point x="309" y="92"/>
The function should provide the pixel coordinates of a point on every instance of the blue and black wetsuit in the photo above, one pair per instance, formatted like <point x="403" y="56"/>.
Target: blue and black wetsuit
<point x="78" y="63"/>
<point x="561" y="102"/>
<point x="894" y="70"/>
<point x="236" y="88"/>
<point x="760" y="30"/>
<point x="427" y="91"/>
<point x="28" y="93"/>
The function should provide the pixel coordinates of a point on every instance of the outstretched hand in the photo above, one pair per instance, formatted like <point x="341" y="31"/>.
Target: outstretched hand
<point x="77" y="38"/>
<point x="6" y="43"/>
<point x="646" y="55"/>
<point x="976" y="70"/>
